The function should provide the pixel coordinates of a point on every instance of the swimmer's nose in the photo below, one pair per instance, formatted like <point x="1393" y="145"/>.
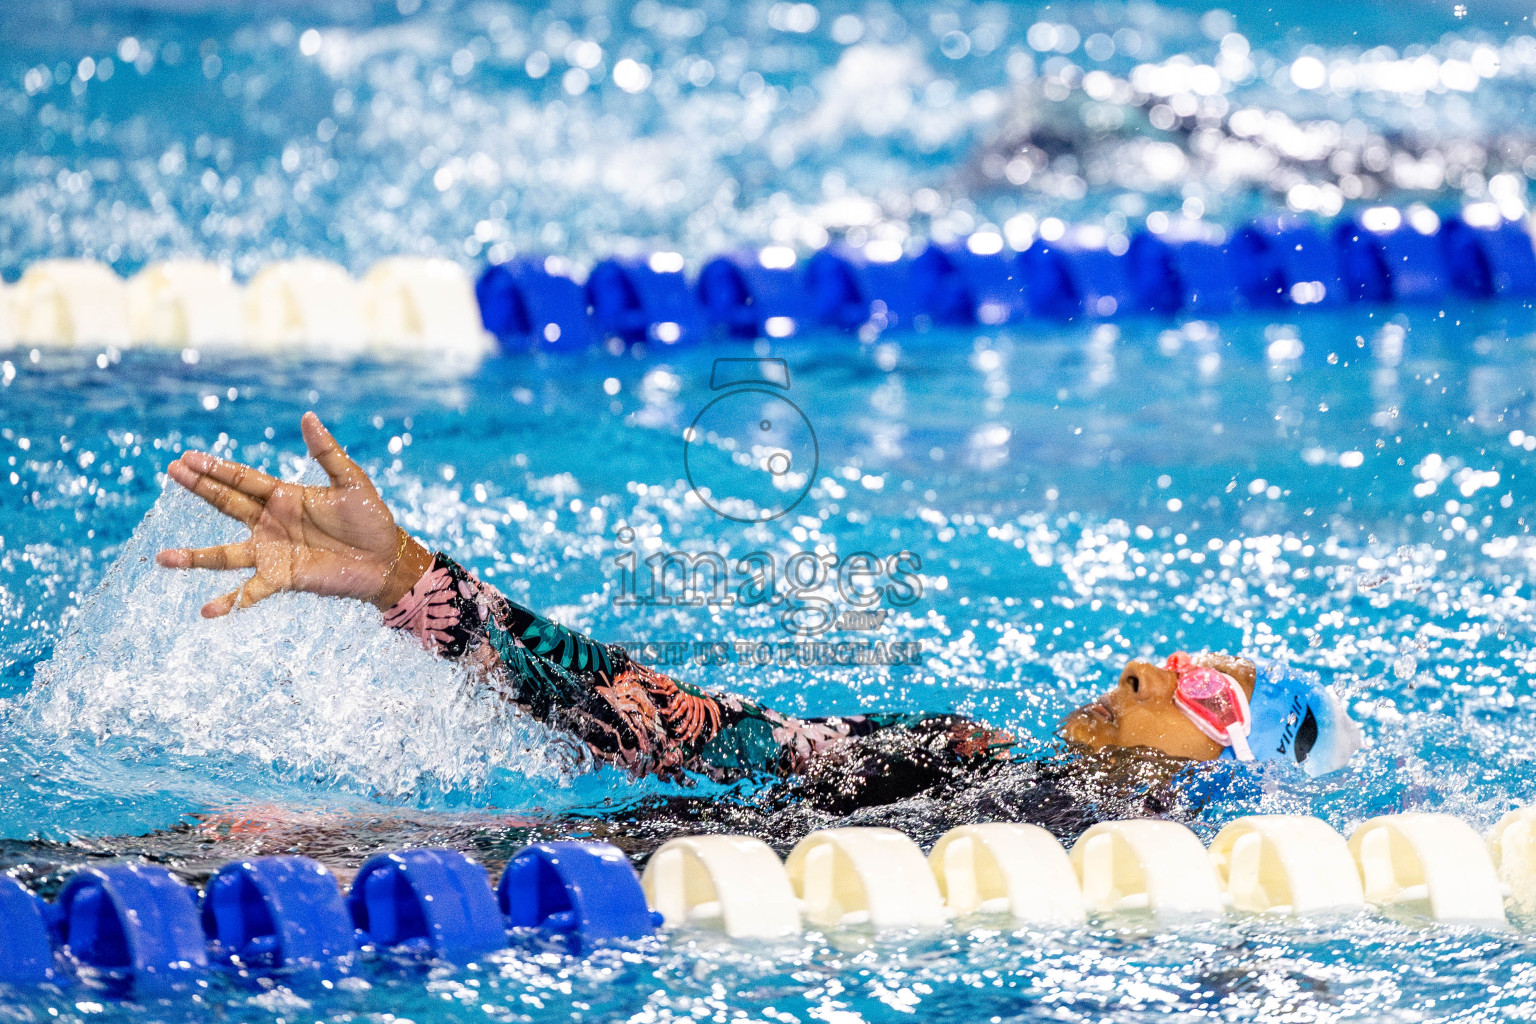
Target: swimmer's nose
<point x="1146" y="682"/>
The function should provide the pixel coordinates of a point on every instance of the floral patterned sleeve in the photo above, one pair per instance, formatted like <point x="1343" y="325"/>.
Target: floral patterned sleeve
<point x="627" y="714"/>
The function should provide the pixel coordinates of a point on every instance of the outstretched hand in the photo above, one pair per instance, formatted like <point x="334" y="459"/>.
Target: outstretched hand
<point x="336" y="541"/>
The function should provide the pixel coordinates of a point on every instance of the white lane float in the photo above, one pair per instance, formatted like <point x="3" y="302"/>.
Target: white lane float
<point x="1512" y="844"/>
<point x="68" y="303"/>
<point x="1158" y="866"/>
<point x="186" y="304"/>
<point x="305" y="304"/>
<point x="1286" y="864"/>
<point x="421" y="306"/>
<point x="734" y="883"/>
<point x="864" y="876"/>
<point x="1006" y="868"/>
<point x="1433" y="862"/>
<point x="407" y="305"/>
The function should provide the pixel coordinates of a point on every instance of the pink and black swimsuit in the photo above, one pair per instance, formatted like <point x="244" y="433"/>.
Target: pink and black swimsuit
<point x="626" y="713"/>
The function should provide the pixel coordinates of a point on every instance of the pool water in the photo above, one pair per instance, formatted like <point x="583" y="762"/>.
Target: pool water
<point x="1057" y="538"/>
<point x="1346" y="490"/>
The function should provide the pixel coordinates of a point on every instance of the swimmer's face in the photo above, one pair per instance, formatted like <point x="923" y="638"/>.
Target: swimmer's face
<point x="1140" y="712"/>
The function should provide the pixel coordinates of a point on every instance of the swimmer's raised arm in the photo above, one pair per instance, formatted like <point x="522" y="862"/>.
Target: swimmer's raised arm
<point x="341" y="540"/>
<point x="336" y="541"/>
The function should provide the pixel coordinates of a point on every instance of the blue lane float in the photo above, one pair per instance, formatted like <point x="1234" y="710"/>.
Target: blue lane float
<point x="135" y="929"/>
<point x="26" y="955"/>
<point x="849" y="287"/>
<point x="1101" y="279"/>
<point x="1067" y="279"/>
<point x="526" y="304"/>
<point x="976" y="283"/>
<point x="756" y="294"/>
<point x="1279" y="261"/>
<point x="1386" y="259"/>
<point x="1491" y="259"/>
<point x="1050" y="290"/>
<point x="586" y="893"/>
<point x="434" y="901"/>
<point x="1286" y="260"/>
<point x="645" y="299"/>
<point x="277" y="912"/>
<point x="133" y="926"/>
<point x="1197" y="275"/>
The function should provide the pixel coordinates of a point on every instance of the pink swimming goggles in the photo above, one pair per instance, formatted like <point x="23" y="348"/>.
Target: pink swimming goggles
<point x="1214" y="702"/>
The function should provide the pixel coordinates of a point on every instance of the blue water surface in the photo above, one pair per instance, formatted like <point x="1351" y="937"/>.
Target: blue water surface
<point x="1347" y="490"/>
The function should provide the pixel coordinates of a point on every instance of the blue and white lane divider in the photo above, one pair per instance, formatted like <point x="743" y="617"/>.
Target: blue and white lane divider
<point x="419" y="306"/>
<point x="135" y="929"/>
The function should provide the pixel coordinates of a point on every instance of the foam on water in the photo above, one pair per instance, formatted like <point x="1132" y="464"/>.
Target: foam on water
<point x="297" y="686"/>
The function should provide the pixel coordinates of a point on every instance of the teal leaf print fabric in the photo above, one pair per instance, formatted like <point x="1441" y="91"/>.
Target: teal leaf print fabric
<point x="626" y="713"/>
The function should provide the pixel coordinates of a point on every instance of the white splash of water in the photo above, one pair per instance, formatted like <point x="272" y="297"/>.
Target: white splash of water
<point x="295" y="688"/>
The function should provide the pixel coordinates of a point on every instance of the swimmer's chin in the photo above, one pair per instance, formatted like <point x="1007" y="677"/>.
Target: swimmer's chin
<point x="1085" y="730"/>
<point x="1115" y="758"/>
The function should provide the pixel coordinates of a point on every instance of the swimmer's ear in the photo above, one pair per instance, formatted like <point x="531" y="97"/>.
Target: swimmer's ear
<point x="338" y="465"/>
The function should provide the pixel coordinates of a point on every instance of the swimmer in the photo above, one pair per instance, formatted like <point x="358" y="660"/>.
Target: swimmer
<point x="341" y="540"/>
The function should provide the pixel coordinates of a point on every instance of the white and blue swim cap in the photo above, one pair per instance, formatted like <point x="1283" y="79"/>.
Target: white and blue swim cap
<point x="1297" y="718"/>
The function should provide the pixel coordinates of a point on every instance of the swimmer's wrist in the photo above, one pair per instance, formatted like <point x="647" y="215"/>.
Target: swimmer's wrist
<point x="413" y="563"/>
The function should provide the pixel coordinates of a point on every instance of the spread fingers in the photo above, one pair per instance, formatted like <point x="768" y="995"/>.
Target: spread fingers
<point x="224" y="556"/>
<point x="221" y="496"/>
<point x="240" y="477"/>
<point x="338" y="465"/>
<point x="254" y="589"/>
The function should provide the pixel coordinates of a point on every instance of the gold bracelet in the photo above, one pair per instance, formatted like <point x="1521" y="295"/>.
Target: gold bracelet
<point x="399" y="554"/>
